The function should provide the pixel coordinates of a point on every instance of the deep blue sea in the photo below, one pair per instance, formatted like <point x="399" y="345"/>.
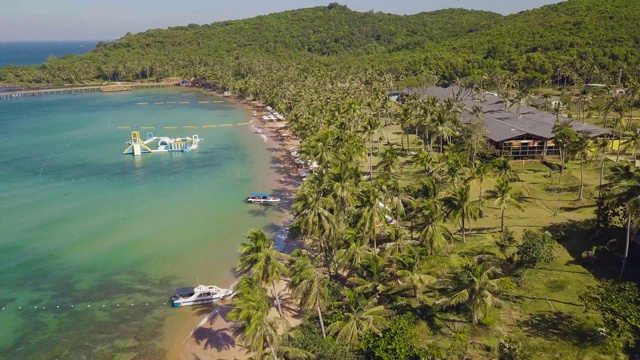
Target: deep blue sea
<point x="37" y="52"/>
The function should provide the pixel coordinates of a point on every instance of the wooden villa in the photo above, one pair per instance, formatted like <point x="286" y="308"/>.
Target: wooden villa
<point x="519" y="137"/>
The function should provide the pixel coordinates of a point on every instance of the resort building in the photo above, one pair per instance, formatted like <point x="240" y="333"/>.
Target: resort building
<point x="520" y="134"/>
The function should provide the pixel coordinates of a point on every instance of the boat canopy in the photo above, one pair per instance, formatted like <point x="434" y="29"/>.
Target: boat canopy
<point x="259" y="194"/>
<point x="186" y="291"/>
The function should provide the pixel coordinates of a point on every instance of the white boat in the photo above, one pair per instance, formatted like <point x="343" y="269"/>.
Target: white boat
<point x="201" y="294"/>
<point x="260" y="198"/>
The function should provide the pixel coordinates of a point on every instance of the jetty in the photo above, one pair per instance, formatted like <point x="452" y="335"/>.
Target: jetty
<point x="116" y="88"/>
<point x="82" y="89"/>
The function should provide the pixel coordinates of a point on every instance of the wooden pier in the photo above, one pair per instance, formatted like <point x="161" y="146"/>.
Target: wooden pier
<point x="82" y="89"/>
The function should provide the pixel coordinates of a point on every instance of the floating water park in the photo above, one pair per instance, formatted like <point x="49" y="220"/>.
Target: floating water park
<point x="138" y="147"/>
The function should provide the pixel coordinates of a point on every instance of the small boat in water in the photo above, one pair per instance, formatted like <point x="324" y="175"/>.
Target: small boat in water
<point x="260" y="198"/>
<point x="201" y="294"/>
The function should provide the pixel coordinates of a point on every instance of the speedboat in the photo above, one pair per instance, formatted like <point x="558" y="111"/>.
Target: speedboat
<point x="260" y="198"/>
<point x="201" y="294"/>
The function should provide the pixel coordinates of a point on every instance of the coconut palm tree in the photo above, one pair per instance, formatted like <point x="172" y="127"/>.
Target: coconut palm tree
<point x="371" y="125"/>
<point x="461" y="208"/>
<point x="309" y="283"/>
<point x="444" y="126"/>
<point x="404" y="117"/>
<point x="410" y="270"/>
<point x="435" y="234"/>
<point x="503" y="198"/>
<point x="428" y="107"/>
<point x="371" y="212"/>
<point x="261" y="260"/>
<point x="583" y="150"/>
<point x="425" y="160"/>
<point x="564" y="136"/>
<point x="396" y="200"/>
<point x="473" y="285"/>
<point x="602" y="144"/>
<point x="314" y="214"/>
<point x="372" y="275"/>
<point x="502" y="169"/>
<point x="353" y="248"/>
<point x="633" y="142"/>
<point x="626" y="193"/>
<point x="250" y="310"/>
<point x="342" y="181"/>
<point x="481" y="172"/>
<point x="360" y="315"/>
<point x="389" y="162"/>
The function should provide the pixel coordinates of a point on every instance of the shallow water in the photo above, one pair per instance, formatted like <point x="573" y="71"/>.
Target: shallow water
<point x="93" y="242"/>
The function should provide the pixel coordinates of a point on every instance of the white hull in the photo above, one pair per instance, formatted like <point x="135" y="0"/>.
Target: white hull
<point x="199" y="295"/>
<point x="270" y="201"/>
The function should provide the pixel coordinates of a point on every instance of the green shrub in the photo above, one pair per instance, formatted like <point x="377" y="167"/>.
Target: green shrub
<point x="395" y="342"/>
<point x="536" y="249"/>
<point x="510" y="350"/>
<point x="322" y="348"/>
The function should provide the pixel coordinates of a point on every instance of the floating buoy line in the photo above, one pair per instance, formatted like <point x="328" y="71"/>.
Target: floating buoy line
<point x="9" y="308"/>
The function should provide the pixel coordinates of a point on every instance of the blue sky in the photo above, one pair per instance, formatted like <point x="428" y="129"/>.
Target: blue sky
<point x="110" y="19"/>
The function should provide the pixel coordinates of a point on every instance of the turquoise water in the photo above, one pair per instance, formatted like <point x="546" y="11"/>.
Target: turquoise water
<point x="86" y="231"/>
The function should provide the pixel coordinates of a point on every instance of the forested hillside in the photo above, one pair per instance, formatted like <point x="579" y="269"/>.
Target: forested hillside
<point x="589" y="40"/>
<point x="327" y="31"/>
<point x="422" y="240"/>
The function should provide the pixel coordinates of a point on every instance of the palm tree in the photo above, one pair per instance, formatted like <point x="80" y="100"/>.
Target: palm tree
<point x="404" y="118"/>
<point x="309" y="284"/>
<point x="361" y="315"/>
<point x="425" y="160"/>
<point x="313" y="213"/>
<point x="371" y="125"/>
<point x="396" y="200"/>
<point x="372" y="213"/>
<point x="428" y="108"/>
<point x="633" y="142"/>
<point x="602" y="144"/>
<point x="626" y="178"/>
<point x="444" y="126"/>
<point x="473" y="285"/>
<point x="372" y="275"/>
<point x="503" y="198"/>
<point x="481" y="172"/>
<point x="411" y="271"/>
<point x="388" y="163"/>
<point x="502" y="169"/>
<point x="582" y="149"/>
<point x="260" y="259"/>
<point x="250" y="310"/>
<point x="461" y="208"/>
<point x="342" y="181"/>
<point x="352" y="251"/>
<point x="564" y="136"/>
<point x="435" y="233"/>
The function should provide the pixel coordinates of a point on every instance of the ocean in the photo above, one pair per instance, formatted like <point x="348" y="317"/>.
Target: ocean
<point x="37" y="52"/>
<point x="95" y="242"/>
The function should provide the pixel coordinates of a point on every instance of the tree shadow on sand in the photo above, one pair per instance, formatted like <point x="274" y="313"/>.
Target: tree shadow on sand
<point x="219" y="339"/>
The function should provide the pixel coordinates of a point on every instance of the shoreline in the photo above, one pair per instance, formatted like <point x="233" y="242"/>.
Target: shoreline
<point x="202" y="336"/>
<point x="213" y="337"/>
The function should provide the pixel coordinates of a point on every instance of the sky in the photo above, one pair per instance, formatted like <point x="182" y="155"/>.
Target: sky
<point x="23" y="20"/>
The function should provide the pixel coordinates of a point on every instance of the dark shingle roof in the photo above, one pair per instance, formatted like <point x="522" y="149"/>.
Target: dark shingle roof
<point x="503" y="125"/>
